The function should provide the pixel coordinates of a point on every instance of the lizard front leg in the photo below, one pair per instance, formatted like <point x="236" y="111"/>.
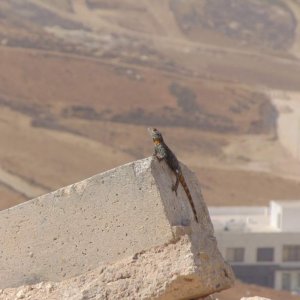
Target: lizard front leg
<point x="159" y="158"/>
<point x="154" y="152"/>
<point x="156" y="155"/>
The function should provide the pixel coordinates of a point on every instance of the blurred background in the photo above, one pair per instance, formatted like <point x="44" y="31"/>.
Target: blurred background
<point x="81" y="80"/>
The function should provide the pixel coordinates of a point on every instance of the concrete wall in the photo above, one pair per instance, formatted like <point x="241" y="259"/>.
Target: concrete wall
<point x="290" y="219"/>
<point x="263" y="273"/>
<point x="285" y="216"/>
<point x="238" y="210"/>
<point x="294" y="279"/>
<point x="276" y="215"/>
<point x="254" y="274"/>
<point x="103" y="219"/>
<point x="251" y="241"/>
<point x="77" y="227"/>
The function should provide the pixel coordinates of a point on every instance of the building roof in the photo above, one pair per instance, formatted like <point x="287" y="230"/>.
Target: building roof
<point x="240" y="222"/>
<point x="287" y="203"/>
<point x="255" y="218"/>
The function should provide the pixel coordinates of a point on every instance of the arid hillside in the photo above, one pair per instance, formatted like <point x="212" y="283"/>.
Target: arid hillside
<point x="81" y="80"/>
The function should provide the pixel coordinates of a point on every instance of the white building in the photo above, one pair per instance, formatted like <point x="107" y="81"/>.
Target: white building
<point x="261" y="243"/>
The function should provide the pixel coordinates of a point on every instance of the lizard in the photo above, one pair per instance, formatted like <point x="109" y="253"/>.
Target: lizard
<point x="163" y="152"/>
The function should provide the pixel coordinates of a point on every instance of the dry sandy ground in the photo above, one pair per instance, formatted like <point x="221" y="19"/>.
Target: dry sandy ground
<point x="244" y="290"/>
<point x="10" y="197"/>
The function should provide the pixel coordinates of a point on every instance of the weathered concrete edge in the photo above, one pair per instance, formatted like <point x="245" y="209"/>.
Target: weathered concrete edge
<point x="155" y="224"/>
<point x="76" y="185"/>
<point x="201" y="235"/>
<point x="172" y="281"/>
<point x="205" y="253"/>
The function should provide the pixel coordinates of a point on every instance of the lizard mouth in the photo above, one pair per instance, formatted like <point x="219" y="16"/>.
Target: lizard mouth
<point x="151" y="130"/>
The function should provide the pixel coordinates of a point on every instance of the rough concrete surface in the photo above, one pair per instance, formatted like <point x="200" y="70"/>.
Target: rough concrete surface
<point x="122" y="234"/>
<point x="167" y="272"/>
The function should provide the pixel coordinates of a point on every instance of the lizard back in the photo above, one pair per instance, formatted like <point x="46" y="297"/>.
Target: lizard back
<point x="164" y="151"/>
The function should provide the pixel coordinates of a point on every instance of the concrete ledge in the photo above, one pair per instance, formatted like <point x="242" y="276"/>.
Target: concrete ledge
<point x="166" y="272"/>
<point x="103" y="220"/>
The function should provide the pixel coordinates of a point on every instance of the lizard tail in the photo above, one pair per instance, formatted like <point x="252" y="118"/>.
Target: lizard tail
<point x="188" y="193"/>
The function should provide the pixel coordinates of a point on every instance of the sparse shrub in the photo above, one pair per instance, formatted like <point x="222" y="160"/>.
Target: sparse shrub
<point x="185" y="96"/>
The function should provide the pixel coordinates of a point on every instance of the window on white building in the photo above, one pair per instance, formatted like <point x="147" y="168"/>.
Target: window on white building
<point x="291" y="253"/>
<point x="235" y="254"/>
<point x="286" y="281"/>
<point x="265" y="254"/>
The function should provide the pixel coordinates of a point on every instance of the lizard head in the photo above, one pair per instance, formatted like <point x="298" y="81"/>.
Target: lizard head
<point x="155" y="134"/>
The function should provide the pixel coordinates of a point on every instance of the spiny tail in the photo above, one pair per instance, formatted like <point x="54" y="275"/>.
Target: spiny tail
<point x="188" y="193"/>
